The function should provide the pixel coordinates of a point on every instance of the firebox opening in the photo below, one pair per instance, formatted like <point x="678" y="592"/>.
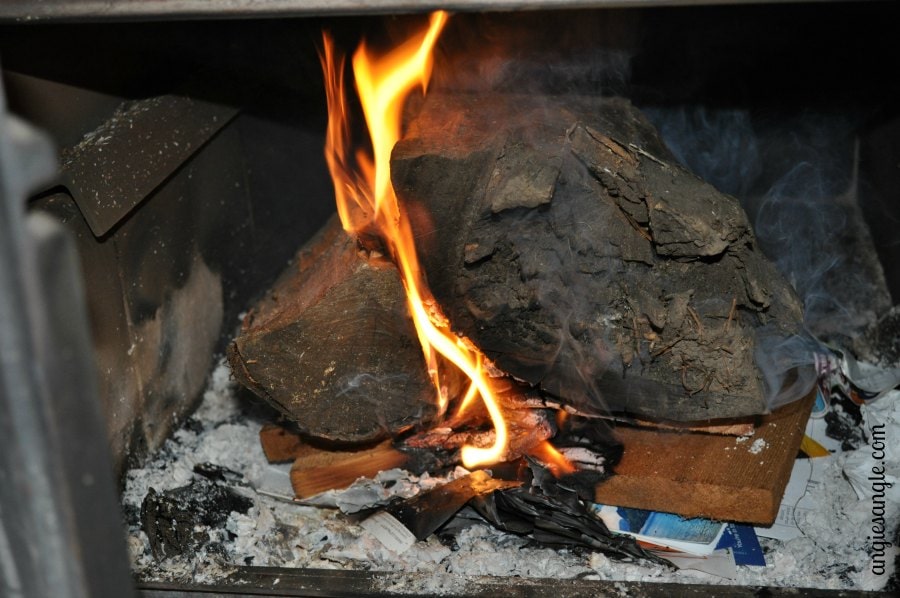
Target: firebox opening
<point x="192" y="172"/>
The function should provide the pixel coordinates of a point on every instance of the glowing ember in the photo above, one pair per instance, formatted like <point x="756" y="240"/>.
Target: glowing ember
<point x="367" y="203"/>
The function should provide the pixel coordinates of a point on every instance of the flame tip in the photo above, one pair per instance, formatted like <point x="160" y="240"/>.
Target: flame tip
<point x="366" y="198"/>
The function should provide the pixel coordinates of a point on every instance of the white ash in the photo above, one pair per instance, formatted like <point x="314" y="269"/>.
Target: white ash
<point x="758" y="446"/>
<point x="275" y="533"/>
<point x="366" y="493"/>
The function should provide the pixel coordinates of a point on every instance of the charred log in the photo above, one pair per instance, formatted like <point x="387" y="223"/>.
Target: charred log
<point x="562" y="237"/>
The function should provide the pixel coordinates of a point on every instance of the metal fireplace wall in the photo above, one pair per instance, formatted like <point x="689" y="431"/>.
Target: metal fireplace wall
<point x="191" y="169"/>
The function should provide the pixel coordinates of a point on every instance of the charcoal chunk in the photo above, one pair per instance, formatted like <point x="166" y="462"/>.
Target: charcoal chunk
<point x="180" y="520"/>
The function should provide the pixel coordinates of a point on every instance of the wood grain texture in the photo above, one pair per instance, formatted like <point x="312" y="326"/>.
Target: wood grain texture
<point x="333" y="348"/>
<point x="316" y="471"/>
<point x="702" y="475"/>
<point x="279" y="444"/>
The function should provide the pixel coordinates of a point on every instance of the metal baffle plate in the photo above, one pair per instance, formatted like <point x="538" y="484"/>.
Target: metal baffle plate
<point x="118" y="165"/>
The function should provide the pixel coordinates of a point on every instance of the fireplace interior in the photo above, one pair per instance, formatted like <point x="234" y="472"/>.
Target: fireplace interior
<point x="179" y="170"/>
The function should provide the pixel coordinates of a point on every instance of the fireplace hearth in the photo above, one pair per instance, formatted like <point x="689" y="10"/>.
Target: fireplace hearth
<point x="190" y="172"/>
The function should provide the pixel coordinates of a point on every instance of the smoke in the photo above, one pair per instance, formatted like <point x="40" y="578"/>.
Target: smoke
<point x="796" y="177"/>
<point x="719" y="145"/>
<point x="787" y="364"/>
<point x="793" y="172"/>
<point x="547" y="53"/>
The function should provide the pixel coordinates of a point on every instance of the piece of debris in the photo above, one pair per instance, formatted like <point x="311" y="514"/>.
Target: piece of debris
<point x="180" y="520"/>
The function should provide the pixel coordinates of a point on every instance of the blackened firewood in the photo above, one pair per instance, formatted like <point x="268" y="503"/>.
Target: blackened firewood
<point x="561" y="236"/>
<point x="332" y="346"/>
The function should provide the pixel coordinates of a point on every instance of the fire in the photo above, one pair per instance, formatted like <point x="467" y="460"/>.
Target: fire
<point x="555" y="461"/>
<point x="367" y="203"/>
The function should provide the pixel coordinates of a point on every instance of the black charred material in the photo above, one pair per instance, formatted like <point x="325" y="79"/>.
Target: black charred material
<point x="556" y="521"/>
<point x="428" y="511"/>
<point x="843" y="422"/>
<point x="218" y="473"/>
<point x="549" y="512"/>
<point x="582" y="483"/>
<point x="179" y="520"/>
<point x="431" y="460"/>
<point x="590" y="445"/>
<point x="578" y="431"/>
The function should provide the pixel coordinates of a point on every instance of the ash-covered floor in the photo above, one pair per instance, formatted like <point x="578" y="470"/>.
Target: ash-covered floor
<point x="832" y="552"/>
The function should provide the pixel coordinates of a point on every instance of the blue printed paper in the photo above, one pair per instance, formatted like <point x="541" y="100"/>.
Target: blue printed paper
<point x="744" y="545"/>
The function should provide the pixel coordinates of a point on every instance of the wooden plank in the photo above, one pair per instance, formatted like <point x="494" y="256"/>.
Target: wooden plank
<point x="317" y="470"/>
<point x="702" y="475"/>
<point x="279" y="444"/>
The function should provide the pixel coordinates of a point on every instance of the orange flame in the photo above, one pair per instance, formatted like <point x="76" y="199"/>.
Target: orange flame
<point x="366" y="201"/>
<point x="555" y="461"/>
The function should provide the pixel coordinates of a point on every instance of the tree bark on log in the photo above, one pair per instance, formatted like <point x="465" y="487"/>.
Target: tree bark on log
<point x="562" y="237"/>
<point x="332" y="346"/>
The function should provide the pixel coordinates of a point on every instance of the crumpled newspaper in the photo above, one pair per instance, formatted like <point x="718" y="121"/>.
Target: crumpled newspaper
<point x="367" y="493"/>
<point x="875" y="469"/>
<point x="861" y="381"/>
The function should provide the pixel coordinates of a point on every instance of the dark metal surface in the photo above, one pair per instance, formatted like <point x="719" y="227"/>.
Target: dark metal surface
<point x="67" y="113"/>
<point x="59" y="535"/>
<point x="33" y="10"/>
<point x="156" y="292"/>
<point x="123" y="161"/>
<point x="879" y="160"/>
<point x="264" y="581"/>
<point x="166" y="284"/>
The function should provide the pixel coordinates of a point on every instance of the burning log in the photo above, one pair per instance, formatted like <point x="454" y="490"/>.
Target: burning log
<point x="333" y="348"/>
<point x="561" y="237"/>
<point x="566" y="244"/>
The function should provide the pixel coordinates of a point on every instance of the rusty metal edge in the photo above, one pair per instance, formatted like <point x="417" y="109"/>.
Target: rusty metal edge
<point x="26" y="11"/>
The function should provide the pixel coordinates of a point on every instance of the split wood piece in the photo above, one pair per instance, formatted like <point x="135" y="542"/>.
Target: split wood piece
<point x="333" y="348"/>
<point x="529" y="423"/>
<point x="279" y="444"/>
<point x="561" y="236"/>
<point x="724" y="429"/>
<point x="700" y="475"/>
<point x="527" y="428"/>
<point x="316" y="470"/>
